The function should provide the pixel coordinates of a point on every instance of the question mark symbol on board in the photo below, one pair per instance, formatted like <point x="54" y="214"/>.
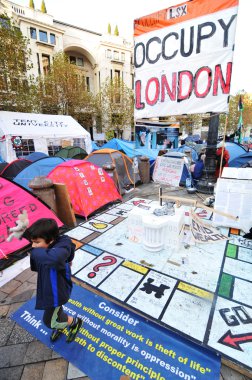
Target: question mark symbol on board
<point x="112" y="260"/>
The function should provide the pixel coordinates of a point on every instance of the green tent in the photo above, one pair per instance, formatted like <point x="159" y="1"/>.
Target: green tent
<point x="72" y="152"/>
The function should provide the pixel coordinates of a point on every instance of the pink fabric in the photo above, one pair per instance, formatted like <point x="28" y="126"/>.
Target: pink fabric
<point x="89" y="186"/>
<point x="13" y="200"/>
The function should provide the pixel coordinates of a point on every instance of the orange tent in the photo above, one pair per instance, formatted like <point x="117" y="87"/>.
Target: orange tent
<point x="89" y="186"/>
<point x="123" y="165"/>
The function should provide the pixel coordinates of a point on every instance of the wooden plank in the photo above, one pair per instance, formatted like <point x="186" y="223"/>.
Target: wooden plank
<point x="195" y="203"/>
<point x="228" y="368"/>
<point x="64" y="206"/>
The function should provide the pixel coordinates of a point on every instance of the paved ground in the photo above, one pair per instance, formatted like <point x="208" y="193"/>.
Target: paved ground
<point x="25" y="358"/>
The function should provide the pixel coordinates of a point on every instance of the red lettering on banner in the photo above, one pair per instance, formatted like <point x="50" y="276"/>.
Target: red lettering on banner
<point x="185" y="84"/>
<point x="157" y="86"/>
<point x="187" y="95"/>
<point x="218" y="76"/>
<point x="165" y="86"/>
<point x="139" y="104"/>
<point x="208" y="82"/>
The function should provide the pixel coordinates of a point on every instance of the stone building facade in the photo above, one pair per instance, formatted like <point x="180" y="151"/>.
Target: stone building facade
<point x="97" y="56"/>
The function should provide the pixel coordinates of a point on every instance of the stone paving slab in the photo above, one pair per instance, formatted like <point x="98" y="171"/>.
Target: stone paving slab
<point x="12" y="355"/>
<point x="11" y="373"/>
<point x="33" y="371"/>
<point x="55" y="369"/>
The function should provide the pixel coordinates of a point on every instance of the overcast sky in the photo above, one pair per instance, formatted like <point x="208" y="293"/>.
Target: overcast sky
<point x="96" y="14"/>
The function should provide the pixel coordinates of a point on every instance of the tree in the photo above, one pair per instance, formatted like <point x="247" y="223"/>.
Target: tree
<point x="16" y="84"/>
<point x="116" y="32"/>
<point x="109" y="28"/>
<point x="115" y="106"/>
<point x="43" y="7"/>
<point x="234" y="114"/>
<point x="62" y="90"/>
<point x="31" y="4"/>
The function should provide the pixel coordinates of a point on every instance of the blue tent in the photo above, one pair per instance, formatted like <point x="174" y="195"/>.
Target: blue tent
<point x="34" y="156"/>
<point x="116" y="144"/>
<point x="94" y="146"/>
<point x="184" y="148"/>
<point x="40" y="167"/>
<point x="235" y="150"/>
<point x="241" y="160"/>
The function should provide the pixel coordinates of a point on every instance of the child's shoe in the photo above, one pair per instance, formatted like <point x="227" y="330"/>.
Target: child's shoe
<point x="74" y="328"/>
<point x="55" y="335"/>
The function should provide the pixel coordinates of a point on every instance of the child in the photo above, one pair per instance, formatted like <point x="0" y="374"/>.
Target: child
<point x="51" y="257"/>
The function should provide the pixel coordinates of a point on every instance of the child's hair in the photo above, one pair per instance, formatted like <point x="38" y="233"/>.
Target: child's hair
<point x="43" y="228"/>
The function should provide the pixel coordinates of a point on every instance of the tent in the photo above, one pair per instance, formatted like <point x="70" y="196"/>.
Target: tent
<point x="24" y="133"/>
<point x="235" y="150"/>
<point x="34" y="156"/>
<point x="13" y="168"/>
<point x="94" y="146"/>
<point x="241" y="160"/>
<point x="89" y="186"/>
<point x="123" y="165"/>
<point x="37" y="168"/>
<point x="72" y="152"/>
<point x="13" y="200"/>
<point x="185" y="148"/>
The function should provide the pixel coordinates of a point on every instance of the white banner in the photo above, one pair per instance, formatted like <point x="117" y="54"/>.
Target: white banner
<point x="184" y="65"/>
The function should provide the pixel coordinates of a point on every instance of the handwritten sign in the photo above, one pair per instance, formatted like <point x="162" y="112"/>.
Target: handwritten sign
<point x="168" y="170"/>
<point x="204" y="233"/>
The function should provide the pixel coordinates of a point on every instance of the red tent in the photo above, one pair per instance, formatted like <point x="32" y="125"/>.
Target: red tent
<point x="89" y="186"/>
<point x="13" y="201"/>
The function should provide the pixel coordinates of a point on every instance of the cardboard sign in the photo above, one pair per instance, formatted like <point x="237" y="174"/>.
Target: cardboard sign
<point x="183" y="59"/>
<point x="168" y="170"/>
<point x="204" y="233"/>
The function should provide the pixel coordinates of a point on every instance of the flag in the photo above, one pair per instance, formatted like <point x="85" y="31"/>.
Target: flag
<point x="240" y="122"/>
<point x="240" y="104"/>
<point x="240" y="126"/>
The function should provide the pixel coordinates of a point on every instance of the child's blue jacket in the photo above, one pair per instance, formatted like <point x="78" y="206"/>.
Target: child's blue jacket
<point x="54" y="284"/>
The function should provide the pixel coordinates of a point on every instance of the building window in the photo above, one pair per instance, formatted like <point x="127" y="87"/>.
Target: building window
<point x="38" y="63"/>
<point x="79" y="61"/>
<point x="43" y="36"/>
<point x="4" y="21"/>
<point x="123" y="57"/>
<point x="27" y="148"/>
<point x="52" y="39"/>
<point x="72" y="60"/>
<point x="33" y="33"/>
<point x="108" y="54"/>
<point x="117" y="75"/>
<point x="45" y="63"/>
<point x="88" y="84"/>
<point x="116" y="55"/>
